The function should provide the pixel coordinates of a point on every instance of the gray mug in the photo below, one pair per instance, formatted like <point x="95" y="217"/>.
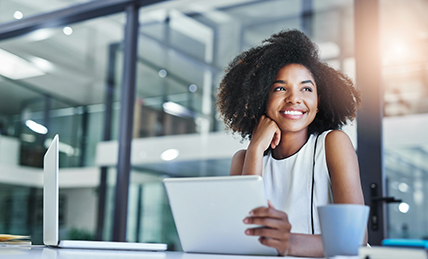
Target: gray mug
<point x="343" y="227"/>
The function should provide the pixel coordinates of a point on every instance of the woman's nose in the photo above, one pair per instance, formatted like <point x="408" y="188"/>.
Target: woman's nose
<point x="293" y="97"/>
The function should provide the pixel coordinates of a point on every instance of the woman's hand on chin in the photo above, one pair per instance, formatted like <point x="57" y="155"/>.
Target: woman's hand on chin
<point x="266" y="134"/>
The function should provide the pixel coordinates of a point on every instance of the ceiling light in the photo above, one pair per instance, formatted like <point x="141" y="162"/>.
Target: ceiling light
<point x="15" y="67"/>
<point x="193" y="88"/>
<point x="177" y="110"/>
<point x="162" y="73"/>
<point x="18" y="15"/>
<point x="403" y="187"/>
<point x="41" y="34"/>
<point x="41" y="63"/>
<point x="67" y="30"/>
<point x="170" y="154"/>
<point x="36" y="127"/>
<point x="403" y="207"/>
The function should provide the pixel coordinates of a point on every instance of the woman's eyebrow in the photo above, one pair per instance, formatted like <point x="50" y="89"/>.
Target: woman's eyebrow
<point x="279" y="82"/>
<point x="307" y="81"/>
<point x="285" y="82"/>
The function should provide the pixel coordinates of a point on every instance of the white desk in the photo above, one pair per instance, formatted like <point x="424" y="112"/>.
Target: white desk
<point x="42" y="252"/>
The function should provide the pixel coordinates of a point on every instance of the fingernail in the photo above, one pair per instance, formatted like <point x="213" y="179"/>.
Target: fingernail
<point x="247" y="232"/>
<point x="245" y="220"/>
<point x="251" y="213"/>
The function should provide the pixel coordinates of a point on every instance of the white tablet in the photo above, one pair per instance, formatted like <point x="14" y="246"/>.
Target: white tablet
<point x="209" y="213"/>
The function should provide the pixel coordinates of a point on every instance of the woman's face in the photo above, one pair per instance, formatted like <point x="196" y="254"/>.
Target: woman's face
<point x="293" y="99"/>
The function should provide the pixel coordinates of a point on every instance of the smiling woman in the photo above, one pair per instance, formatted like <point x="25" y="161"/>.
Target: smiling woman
<point x="254" y="71"/>
<point x="291" y="106"/>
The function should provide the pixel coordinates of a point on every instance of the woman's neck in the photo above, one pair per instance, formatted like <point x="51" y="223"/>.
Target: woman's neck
<point x="290" y="144"/>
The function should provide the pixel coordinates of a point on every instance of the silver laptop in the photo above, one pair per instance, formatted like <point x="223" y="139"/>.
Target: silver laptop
<point x="50" y="212"/>
<point x="209" y="213"/>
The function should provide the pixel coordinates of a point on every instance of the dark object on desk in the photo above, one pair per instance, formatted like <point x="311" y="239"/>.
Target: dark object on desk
<point x="388" y="252"/>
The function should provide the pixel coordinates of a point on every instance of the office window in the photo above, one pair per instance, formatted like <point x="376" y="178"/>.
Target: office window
<point x="404" y="58"/>
<point x="54" y="82"/>
<point x="62" y="70"/>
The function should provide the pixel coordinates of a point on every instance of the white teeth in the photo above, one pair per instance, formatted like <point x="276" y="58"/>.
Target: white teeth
<point x="292" y="112"/>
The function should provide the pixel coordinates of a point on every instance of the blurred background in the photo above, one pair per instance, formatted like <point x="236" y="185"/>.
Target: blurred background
<point x="56" y="80"/>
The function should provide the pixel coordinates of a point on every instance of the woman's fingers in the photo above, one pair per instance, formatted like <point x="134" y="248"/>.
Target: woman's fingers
<point x="272" y="223"/>
<point x="266" y="233"/>
<point x="271" y="219"/>
<point x="276" y="134"/>
<point x="276" y="137"/>
<point x="268" y="212"/>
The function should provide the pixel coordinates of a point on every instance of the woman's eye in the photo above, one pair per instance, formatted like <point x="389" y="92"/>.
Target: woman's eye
<point x="279" y="88"/>
<point x="307" y="89"/>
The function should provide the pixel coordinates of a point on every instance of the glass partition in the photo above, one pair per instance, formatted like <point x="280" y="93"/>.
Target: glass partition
<point x="53" y="81"/>
<point x="149" y="214"/>
<point x="404" y="59"/>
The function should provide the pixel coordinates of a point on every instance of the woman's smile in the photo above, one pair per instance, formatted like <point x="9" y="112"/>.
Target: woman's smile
<point x="292" y="114"/>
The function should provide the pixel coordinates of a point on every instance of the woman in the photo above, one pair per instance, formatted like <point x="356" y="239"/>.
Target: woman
<point x="291" y="106"/>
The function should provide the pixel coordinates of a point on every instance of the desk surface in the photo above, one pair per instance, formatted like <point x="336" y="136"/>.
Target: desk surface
<point x="42" y="252"/>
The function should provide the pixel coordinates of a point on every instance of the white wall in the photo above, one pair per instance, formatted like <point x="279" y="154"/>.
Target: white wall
<point x="9" y="150"/>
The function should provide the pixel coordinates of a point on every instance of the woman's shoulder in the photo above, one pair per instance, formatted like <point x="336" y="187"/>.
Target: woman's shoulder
<point x="335" y="137"/>
<point x="237" y="162"/>
<point x="338" y="144"/>
<point x="332" y="139"/>
<point x="240" y="154"/>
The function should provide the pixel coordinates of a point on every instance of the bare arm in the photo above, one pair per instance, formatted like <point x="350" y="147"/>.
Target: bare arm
<point x="250" y="161"/>
<point x="305" y="245"/>
<point x="342" y="164"/>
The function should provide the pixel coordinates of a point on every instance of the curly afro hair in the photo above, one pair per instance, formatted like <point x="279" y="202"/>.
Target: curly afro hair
<point x="243" y="92"/>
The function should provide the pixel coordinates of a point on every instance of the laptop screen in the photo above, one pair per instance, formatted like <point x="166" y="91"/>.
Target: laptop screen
<point x="50" y="194"/>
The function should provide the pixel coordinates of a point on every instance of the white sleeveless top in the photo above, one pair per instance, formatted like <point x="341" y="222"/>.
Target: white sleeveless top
<point x="288" y="184"/>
